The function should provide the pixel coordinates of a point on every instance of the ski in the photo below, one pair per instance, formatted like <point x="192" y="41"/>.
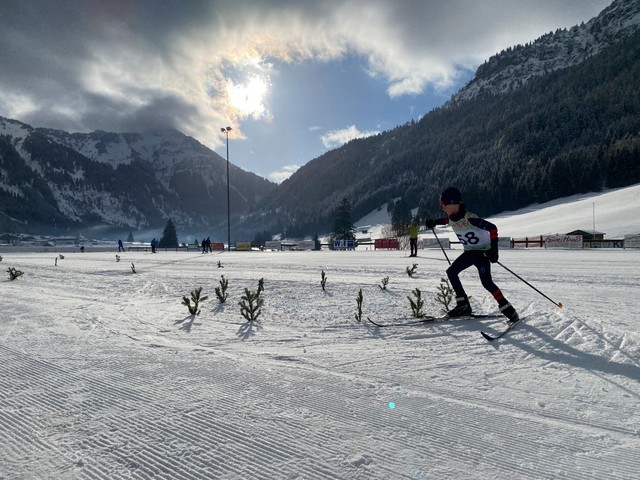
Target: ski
<point x="491" y="338"/>
<point x="402" y="324"/>
<point x="432" y="319"/>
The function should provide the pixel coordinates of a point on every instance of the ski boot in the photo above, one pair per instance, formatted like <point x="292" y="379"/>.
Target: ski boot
<point x="508" y="311"/>
<point x="462" y="308"/>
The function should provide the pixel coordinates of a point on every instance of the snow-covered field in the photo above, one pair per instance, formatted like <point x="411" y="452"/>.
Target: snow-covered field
<point x="105" y="375"/>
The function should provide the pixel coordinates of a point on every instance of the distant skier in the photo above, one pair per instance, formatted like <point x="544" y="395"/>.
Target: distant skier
<point x="120" y="246"/>
<point x="480" y="240"/>
<point x="413" y="230"/>
<point x="154" y="244"/>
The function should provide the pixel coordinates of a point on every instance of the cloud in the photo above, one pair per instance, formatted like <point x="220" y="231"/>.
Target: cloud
<point x="199" y="65"/>
<point x="335" y="138"/>
<point x="284" y="173"/>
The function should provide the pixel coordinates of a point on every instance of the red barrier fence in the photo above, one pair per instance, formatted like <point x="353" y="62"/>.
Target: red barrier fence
<point x="388" y="243"/>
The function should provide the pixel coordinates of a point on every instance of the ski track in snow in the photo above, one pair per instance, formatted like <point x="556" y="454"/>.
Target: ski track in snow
<point x="103" y="375"/>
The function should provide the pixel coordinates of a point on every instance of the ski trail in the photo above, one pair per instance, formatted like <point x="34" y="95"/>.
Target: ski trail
<point x="118" y="425"/>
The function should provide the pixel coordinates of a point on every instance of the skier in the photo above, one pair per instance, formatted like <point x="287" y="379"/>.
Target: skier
<point x="120" y="246"/>
<point x="480" y="240"/>
<point x="412" y="230"/>
<point x="154" y="244"/>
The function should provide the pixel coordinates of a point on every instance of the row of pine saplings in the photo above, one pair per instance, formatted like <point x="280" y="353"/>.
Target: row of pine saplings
<point x="251" y="302"/>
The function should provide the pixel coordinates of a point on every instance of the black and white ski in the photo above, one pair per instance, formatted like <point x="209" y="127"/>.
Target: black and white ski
<point x="431" y="319"/>
<point x="491" y="338"/>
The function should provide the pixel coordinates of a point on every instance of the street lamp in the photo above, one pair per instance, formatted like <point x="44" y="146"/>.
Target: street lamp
<point x="226" y="131"/>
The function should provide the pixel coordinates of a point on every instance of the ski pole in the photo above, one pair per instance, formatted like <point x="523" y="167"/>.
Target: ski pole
<point x="559" y="305"/>
<point x="441" y="247"/>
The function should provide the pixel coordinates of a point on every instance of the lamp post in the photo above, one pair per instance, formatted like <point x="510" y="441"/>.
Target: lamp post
<point x="226" y="131"/>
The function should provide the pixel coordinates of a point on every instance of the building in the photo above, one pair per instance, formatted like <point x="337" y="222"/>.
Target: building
<point x="587" y="235"/>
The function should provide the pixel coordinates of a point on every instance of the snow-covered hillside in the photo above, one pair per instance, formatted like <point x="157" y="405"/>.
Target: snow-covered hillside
<point x="614" y="212"/>
<point x="104" y="374"/>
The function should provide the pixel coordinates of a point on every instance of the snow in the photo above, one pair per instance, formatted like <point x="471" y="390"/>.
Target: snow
<point x="13" y="128"/>
<point x="614" y="212"/>
<point x="105" y="375"/>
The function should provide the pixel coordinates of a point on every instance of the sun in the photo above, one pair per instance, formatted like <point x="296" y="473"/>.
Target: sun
<point x="248" y="98"/>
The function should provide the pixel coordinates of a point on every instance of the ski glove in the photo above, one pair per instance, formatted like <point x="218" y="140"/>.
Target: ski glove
<point x="492" y="254"/>
<point x="430" y="223"/>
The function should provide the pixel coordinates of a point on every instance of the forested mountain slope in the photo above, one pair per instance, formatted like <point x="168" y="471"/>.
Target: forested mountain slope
<point x="572" y="130"/>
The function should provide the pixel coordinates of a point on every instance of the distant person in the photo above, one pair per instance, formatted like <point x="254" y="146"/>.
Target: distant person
<point x="480" y="241"/>
<point x="413" y="230"/>
<point x="204" y="245"/>
<point x="82" y="248"/>
<point x="154" y="243"/>
<point x="209" y="244"/>
<point x="120" y="246"/>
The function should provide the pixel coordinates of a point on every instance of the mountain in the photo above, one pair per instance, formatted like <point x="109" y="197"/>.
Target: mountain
<point x="54" y="180"/>
<point x="553" y="118"/>
<point x="509" y="139"/>
<point x="513" y="68"/>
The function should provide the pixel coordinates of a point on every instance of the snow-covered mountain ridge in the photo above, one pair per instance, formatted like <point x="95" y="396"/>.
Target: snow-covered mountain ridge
<point x="513" y="68"/>
<point x="127" y="180"/>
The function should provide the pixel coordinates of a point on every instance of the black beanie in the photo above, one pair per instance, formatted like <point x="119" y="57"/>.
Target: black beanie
<point x="450" y="196"/>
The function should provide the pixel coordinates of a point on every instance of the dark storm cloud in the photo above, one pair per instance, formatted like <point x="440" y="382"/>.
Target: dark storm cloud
<point x="49" y="48"/>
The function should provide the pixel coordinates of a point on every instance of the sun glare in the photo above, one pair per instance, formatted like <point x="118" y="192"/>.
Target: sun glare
<point x="249" y="98"/>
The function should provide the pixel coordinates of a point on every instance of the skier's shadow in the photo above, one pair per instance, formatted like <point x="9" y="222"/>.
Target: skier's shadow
<point x="374" y="330"/>
<point x="562" y="353"/>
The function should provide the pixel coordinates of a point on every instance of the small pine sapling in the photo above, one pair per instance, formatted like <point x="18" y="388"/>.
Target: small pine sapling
<point x="133" y="267"/>
<point x="117" y="258"/>
<point x="221" y="291"/>
<point x="412" y="270"/>
<point x="385" y="282"/>
<point x="220" y="264"/>
<point x="250" y="305"/>
<point x="0" y="258"/>
<point x="194" y="302"/>
<point x="417" y="304"/>
<point x="14" y="273"/>
<point x="323" y="280"/>
<point x="445" y="294"/>
<point x="260" y="286"/>
<point x="55" y="261"/>
<point x="359" y="299"/>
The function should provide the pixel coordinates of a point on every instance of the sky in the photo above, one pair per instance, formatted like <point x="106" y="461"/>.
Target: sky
<point x="292" y="78"/>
